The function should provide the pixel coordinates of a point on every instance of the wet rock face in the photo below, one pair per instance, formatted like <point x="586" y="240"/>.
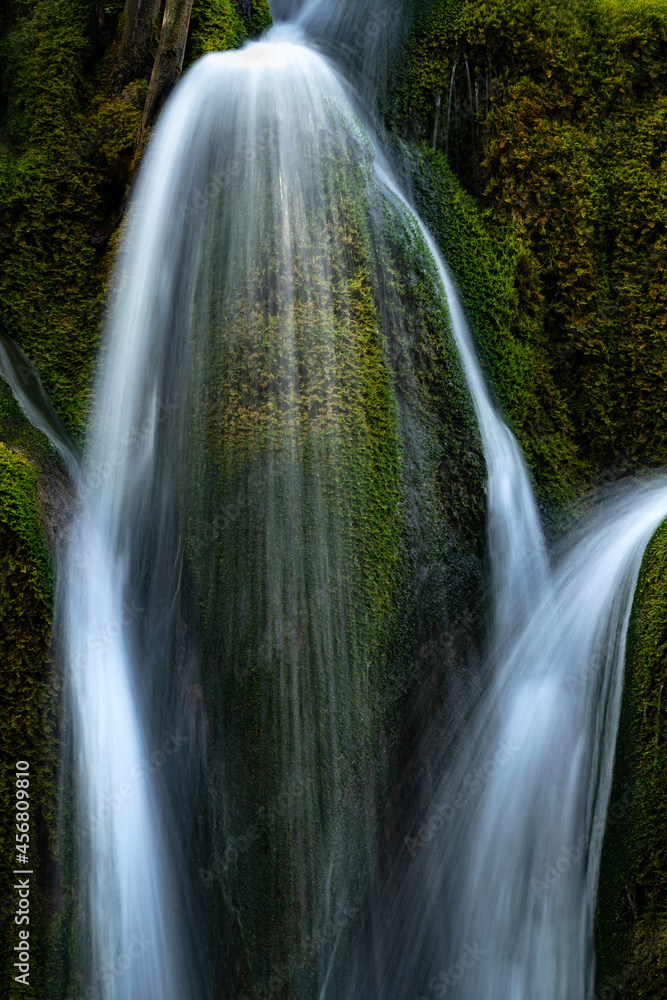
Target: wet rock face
<point x="632" y="907"/>
<point x="310" y="510"/>
<point x="28" y="702"/>
<point x="322" y="576"/>
<point x="337" y="526"/>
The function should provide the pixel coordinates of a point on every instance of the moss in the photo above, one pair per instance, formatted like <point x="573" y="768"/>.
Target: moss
<point x="67" y="145"/>
<point x="337" y="465"/>
<point x="258" y="18"/>
<point x="63" y="165"/>
<point x="217" y="25"/>
<point x="539" y="134"/>
<point x="632" y="914"/>
<point x="29" y="720"/>
<point x="556" y="129"/>
<point x="496" y="274"/>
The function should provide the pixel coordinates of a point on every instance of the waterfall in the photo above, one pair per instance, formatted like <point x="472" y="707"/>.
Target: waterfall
<point x="516" y="544"/>
<point x="26" y="385"/>
<point x="231" y="576"/>
<point x="505" y="866"/>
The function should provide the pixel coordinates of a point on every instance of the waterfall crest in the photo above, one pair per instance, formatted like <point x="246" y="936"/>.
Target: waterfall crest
<point x="262" y="487"/>
<point x="263" y="468"/>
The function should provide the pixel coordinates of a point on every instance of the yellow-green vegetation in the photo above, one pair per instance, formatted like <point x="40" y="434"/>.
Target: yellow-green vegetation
<point x="68" y="134"/>
<point x="648" y="673"/>
<point x="557" y="128"/>
<point x="217" y="25"/>
<point x="65" y="149"/>
<point x="498" y="279"/>
<point x="67" y="143"/>
<point x="547" y="190"/>
<point x="338" y="469"/>
<point x="632" y="917"/>
<point x="28" y="719"/>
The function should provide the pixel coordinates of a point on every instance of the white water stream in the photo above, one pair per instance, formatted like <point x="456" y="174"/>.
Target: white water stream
<point x="547" y="799"/>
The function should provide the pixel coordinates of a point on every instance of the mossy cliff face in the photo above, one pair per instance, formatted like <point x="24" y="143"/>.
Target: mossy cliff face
<point x="632" y="910"/>
<point x="546" y="190"/>
<point x="29" y="725"/>
<point x="495" y="274"/>
<point x="556" y="127"/>
<point x="392" y="455"/>
<point x="67" y="142"/>
<point x="330" y="489"/>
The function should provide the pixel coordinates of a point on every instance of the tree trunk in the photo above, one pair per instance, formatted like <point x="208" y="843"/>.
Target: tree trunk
<point x="169" y="58"/>
<point x="138" y="30"/>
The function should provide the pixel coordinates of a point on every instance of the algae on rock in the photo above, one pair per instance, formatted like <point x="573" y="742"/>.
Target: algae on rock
<point x="632" y="910"/>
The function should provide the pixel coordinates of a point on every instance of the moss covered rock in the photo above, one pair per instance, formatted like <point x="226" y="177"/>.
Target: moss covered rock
<point x="331" y="485"/>
<point x="632" y="910"/>
<point x="67" y="145"/>
<point x="551" y="117"/>
<point x="68" y="132"/>
<point x="29" y="721"/>
<point x="538" y="142"/>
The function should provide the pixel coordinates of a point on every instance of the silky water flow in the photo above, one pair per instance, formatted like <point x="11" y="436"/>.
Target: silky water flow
<point x="226" y="441"/>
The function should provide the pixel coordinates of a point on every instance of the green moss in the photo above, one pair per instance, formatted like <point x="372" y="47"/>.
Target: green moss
<point x="338" y="468"/>
<point x="217" y="25"/>
<point x="21" y="514"/>
<point x="556" y="128"/>
<point x="259" y="18"/>
<point x="632" y="913"/>
<point x="29" y="722"/>
<point x="546" y="192"/>
<point x="496" y="274"/>
<point x="67" y="146"/>
<point x="63" y="165"/>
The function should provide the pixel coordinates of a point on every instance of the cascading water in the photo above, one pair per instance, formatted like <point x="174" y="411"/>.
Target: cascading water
<point x="257" y="437"/>
<point x="505" y="868"/>
<point x="225" y="601"/>
<point x="27" y="388"/>
<point x="516" y="544"/>
<point x="489" y="906"/>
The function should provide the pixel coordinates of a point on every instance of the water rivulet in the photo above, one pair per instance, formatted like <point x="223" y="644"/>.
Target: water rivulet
<point x="281" y="507"/>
